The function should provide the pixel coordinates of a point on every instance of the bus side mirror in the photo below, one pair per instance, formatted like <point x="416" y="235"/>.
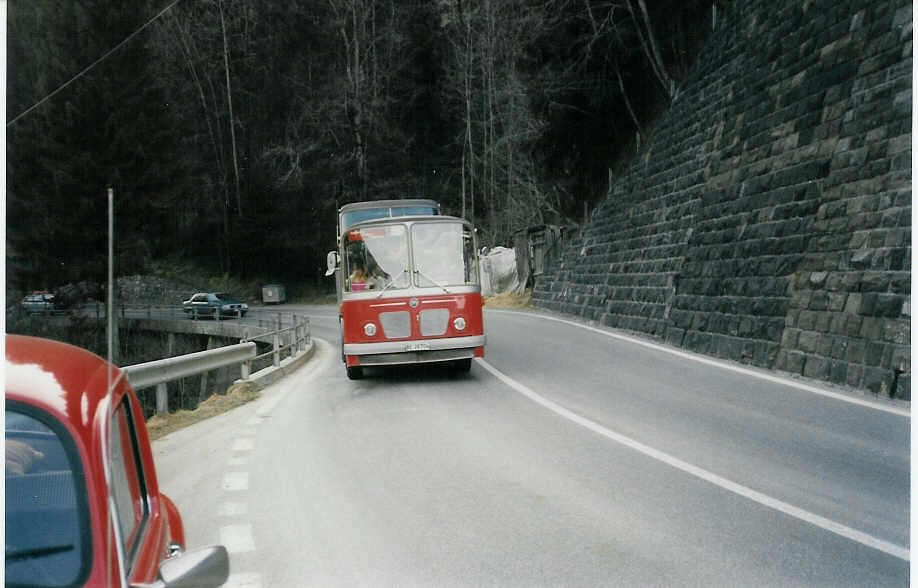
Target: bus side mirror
<point x="332" y="262"/>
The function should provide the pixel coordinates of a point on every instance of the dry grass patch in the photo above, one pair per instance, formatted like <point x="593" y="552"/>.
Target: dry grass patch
<point x="508" y="300"/>
<point x="237" y="395"/>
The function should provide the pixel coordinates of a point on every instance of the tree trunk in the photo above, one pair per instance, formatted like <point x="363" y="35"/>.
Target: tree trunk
<point x="229" y="103"/>
<point x="468" y="116"/>
<point x="652" y="49"/>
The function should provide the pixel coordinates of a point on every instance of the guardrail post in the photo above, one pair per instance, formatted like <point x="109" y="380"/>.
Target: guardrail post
<point x="276" y="350"/>
<point x="246" y="366"/>
<point x="279" y="322"/>
<point x="308" y="332"/>
<point x="297" y="334"/>
<point x="285" y="344"/>
<point x="162" y="399"/>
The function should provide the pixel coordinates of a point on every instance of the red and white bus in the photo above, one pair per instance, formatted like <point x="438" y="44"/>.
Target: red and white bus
<point x="408" y="286"/>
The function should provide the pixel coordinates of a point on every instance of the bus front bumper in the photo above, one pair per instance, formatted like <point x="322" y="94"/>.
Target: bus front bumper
<point x="417" y="351"/>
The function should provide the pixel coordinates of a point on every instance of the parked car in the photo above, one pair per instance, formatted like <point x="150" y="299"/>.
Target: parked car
<point x="214" y="304"/>
<point x="40" y="302"/>
<point x="83" y="505"/>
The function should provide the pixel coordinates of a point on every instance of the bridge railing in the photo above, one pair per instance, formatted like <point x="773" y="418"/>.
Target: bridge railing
<point x="287" y="341"/>
<point x="264" y="316"/>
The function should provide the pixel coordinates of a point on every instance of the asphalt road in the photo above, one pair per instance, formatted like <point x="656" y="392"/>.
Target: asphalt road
<point x="567" y="457"/>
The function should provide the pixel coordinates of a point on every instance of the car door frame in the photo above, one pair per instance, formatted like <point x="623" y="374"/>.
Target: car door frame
<point x="154" y="536"/>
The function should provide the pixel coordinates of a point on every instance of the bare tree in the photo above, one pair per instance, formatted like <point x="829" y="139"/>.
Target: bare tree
<point x="652" y="49"/>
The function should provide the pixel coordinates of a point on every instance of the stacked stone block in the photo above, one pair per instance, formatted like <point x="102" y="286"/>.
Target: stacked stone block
<point x="768" y="220"/>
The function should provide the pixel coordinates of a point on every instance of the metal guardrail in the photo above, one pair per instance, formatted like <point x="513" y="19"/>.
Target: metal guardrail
<point x="160" y="371"/>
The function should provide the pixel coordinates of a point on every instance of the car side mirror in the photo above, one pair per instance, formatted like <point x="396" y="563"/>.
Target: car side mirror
<point x="331" y="262"/>
<point x="208" y="566"/>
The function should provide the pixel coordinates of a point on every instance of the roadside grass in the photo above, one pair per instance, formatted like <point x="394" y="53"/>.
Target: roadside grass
<point x="510" y="301"/>
<point x="313" y="296"/>
<point x="238" y="394"/>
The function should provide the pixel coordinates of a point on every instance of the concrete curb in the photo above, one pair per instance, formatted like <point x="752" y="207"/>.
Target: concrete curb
<point x="267" y="376"/>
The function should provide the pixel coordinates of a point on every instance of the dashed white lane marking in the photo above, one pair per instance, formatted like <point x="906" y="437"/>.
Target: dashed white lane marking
<point x="237" y="538"/>
<point x="726" y="366"/>
<point x="765" y="500"/>
<point x="244" y="580"/>
<point x="244" y="444"/>
<point x="235" y="481"/>
<point x="233" y="509"/>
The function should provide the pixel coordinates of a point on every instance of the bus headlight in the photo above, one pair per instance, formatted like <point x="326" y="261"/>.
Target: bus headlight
<point x="459" y="323"/>
<point x="369" y="329"/>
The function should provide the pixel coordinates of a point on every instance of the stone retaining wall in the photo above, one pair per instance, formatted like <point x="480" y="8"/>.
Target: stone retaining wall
<point x="768" y="218"/>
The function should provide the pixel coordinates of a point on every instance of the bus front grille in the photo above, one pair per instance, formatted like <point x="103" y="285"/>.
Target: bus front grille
<point x="396" y="325"/>
<point x="434" y="321"/>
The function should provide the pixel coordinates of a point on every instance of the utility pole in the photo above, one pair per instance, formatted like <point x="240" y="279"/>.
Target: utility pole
<point x="111" y="327"/>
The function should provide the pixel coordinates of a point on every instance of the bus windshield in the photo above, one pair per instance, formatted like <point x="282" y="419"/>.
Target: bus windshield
<point x="444" y="255"/>
<point x="376" y="258"/>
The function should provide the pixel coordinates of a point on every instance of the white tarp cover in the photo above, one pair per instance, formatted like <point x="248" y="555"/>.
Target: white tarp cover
<point x="498" y="272"/>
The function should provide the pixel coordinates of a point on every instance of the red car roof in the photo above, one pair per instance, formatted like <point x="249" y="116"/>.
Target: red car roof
<point x="62" y="379"/>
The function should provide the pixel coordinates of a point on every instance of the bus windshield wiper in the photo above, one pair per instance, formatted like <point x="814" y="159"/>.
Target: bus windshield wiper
<point x="431" y="280"/>
<point x="38" y="552"/>
<point x="391" y="282"/>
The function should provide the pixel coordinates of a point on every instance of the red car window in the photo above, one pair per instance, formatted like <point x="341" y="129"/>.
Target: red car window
<point x="48" y="537"/>
<point x="128" y="486"/>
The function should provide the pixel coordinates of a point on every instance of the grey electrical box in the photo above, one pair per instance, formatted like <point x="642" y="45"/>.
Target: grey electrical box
<point x="273" y="294"/>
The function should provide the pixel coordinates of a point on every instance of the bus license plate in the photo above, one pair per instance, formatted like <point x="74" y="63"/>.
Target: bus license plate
<point x="417" y="346"/>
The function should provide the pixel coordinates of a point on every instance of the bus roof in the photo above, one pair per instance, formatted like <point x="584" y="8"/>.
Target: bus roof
<point x="389" y="204"/>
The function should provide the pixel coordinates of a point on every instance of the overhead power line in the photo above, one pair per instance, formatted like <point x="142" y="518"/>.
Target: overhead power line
<point x="93" y="64"/>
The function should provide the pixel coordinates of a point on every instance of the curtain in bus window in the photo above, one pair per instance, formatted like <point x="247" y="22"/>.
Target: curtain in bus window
<point x="440" y="255"/>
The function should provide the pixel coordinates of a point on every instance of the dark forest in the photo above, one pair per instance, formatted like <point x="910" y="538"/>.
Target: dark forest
<point x="230" y="130"/>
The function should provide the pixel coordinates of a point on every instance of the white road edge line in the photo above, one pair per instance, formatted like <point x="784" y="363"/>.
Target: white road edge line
<point x="790" y="510"/>
<point x="723" y="365"/>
